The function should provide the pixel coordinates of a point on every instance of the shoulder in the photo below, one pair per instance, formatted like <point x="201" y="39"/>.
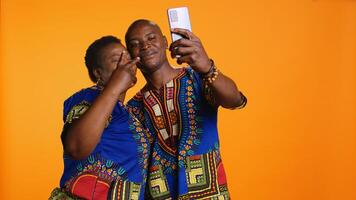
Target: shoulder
<point x="138" y="96"/>
<point x="83" y="96"/>
<point x="135" y="100"/>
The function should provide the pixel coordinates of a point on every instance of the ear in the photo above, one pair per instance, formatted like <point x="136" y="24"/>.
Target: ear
<point x="165" y="42"/>
<point x="97" y="73"/>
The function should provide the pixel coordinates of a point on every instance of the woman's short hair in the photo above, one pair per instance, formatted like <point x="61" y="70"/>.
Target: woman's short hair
<point x="92" y="54"/>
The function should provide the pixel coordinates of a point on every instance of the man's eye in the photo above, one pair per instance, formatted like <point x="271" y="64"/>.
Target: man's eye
<point x="134" y="44"/>
<point x="151" y="38"/>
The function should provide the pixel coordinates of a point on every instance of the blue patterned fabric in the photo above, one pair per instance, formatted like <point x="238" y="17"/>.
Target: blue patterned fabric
<point x="117" y="167"/>
<point x="185" y="162"/>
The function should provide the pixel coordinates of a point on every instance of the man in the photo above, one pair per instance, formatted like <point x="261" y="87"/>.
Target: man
<point x="179" y="107"/>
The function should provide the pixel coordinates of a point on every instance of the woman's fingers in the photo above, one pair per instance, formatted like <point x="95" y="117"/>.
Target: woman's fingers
<point x="121" y="60"/>
<point x="133" y="62"/>
<point x="131" y="66"/>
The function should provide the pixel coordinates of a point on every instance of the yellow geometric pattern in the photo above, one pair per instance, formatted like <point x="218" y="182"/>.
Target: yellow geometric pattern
<point x="78" y="110"/>
<point x="158" y="183"/>
<point x="194" y="175"/>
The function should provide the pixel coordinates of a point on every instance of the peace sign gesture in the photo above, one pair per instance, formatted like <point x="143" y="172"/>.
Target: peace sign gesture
<point x="124" y="76"/>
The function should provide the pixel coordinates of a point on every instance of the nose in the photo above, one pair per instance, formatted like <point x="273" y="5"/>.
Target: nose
<point x="145" y="45"/>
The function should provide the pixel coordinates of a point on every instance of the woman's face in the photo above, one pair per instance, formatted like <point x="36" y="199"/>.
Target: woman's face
<point x="109" y="57"/>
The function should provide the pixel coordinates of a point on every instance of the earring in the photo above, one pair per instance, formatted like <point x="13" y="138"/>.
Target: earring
<point x="99" y="84"/>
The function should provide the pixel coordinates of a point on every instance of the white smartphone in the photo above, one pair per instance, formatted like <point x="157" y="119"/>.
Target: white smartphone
<point x="178" y="18"/>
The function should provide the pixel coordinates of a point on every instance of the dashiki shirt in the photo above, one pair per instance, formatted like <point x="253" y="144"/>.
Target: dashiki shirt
<point x="185" y="158"/>
<point x="117" y="168"/>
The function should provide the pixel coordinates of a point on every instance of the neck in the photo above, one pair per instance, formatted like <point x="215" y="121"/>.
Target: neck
<point x="121" y="96"/>
<point x="161" y="76"/>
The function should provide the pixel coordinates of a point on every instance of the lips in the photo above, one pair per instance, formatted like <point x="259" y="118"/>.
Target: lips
<point x="147" y="55"/>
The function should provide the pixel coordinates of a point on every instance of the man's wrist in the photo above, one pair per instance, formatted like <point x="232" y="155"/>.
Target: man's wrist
<point x="210" y="68"/>
<point x="211" y="75"/>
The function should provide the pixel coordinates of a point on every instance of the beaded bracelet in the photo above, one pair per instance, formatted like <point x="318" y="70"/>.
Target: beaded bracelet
<point x="212" y="74"/>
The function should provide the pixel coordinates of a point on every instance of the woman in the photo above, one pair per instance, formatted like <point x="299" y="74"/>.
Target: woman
<point x="105" y="148"/>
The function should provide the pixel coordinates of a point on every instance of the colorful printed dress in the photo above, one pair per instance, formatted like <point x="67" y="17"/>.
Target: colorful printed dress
<point x="186" y="162"/>
<point x="117" y="168"/>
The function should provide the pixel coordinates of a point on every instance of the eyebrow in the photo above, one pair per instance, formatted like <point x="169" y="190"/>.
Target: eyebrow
<point x="149" y="33"/>
<point x="115" y="54"/>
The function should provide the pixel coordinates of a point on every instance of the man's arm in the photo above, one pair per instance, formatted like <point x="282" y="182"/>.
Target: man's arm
<point x="191" y="51"/>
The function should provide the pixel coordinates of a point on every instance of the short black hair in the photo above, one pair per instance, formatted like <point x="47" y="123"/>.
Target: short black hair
<point x="92" y="54"/>
<point x="136" y="23"/>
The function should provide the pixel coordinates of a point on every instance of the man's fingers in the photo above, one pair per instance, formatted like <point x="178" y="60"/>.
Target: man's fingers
<point x="182" y="43"/>
<point x="184" y="32"/>
<point x="182" y="51"/>
<point x="185" y="59"/>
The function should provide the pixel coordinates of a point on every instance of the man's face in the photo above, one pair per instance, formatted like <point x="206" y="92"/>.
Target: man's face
<point x="145" y="40"/>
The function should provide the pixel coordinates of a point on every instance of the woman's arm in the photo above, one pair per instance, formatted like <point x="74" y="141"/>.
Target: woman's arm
<point x="81" y="136"/>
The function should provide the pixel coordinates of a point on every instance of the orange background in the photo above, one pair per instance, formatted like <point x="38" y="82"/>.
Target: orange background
<point x="294" y="59"/>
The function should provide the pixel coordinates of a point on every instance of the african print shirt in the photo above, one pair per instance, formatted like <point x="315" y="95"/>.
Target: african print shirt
<point x="182" y="120"/>
<point x="117" y="168"/>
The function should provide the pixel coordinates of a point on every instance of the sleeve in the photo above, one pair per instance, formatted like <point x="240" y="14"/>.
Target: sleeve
<point x="204" y="90"/>
<point x="74" y="107"/>
<point x="207" y="92"/>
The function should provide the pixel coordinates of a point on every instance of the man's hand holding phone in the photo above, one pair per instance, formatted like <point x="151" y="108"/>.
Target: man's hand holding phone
<point x="186" y="47"/>
<point x="190" y="51"/>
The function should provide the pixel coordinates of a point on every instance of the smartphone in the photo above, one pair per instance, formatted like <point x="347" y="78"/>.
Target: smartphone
<point x="178" y="18"/>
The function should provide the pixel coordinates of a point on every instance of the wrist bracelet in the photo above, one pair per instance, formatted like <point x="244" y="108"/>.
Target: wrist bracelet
<point x="213" y="73"/>
<point x="210" y="69"/>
